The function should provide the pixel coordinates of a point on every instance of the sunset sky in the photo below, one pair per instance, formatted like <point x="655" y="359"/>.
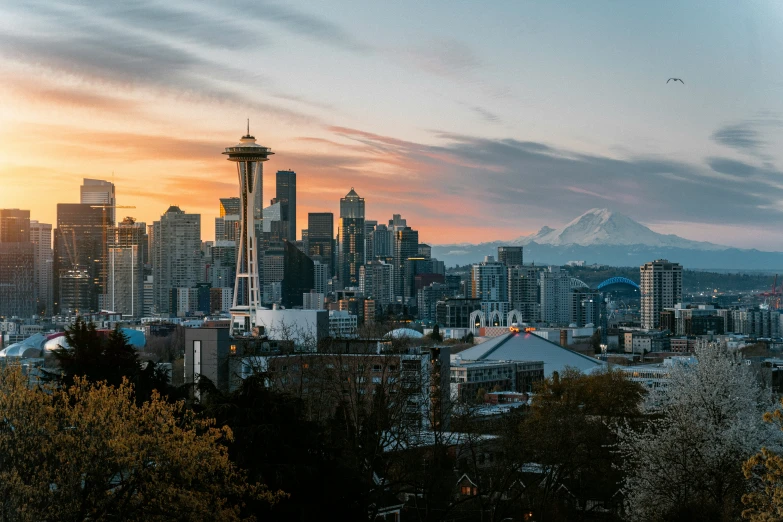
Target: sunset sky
<point x="475" y="120"/>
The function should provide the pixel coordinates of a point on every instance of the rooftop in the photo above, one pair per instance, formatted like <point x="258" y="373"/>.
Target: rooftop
<point x="529" y="347"/>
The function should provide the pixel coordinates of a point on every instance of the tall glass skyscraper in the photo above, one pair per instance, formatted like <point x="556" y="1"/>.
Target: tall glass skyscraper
<point x="285" y="193"/>
<point x="351" y="238"/>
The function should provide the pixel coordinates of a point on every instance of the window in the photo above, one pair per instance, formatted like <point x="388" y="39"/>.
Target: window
<point x="233" y="349"/>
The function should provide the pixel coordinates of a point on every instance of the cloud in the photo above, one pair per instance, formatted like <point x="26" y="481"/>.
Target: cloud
<point x="447" y="58"/>
<point x="488" y="116"/>
<point x="298" y="22"/>
<point x="740" y="136"/>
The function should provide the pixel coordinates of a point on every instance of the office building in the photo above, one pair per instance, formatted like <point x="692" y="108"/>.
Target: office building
<point x="223" y="264"/>
<point x="99" y="192"/>
<point x="285" y="194"/>
<point x="273" y="226"/>
<point x="417" y="272"/>
<point x="298" y="275"/>
<point x="320" y="239"/>
<point x="468" y="377"/>
<point x="510" y="255"/>
<point x="661" y="287"/>
<point x="406" y="246"/>
<point x="78" y="257"/>
<point x="177" y="254"/>
<point x="425" y="251"/>
<point x="383" y="242"/>
<point x="14" y="225"/>
<point x="16" y="279"/>
<point x="125" y="268"/>
<point x="43" y="261"/>
<point x="369" y="239"/>
<point x="350" y="238"/>
<point x="249" y="158"/>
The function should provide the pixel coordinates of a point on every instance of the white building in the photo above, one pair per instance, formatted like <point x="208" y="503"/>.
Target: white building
<point x="303" y="327"/>
<point x="376" y="281"/>
<point x="342" y="324"/>
<point x="313" y="300"/>
<point x="489" y="281"/>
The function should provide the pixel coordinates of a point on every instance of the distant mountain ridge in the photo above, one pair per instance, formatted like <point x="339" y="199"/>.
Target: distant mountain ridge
<point x="601" y="226"/>
<point x="606" y="237"/>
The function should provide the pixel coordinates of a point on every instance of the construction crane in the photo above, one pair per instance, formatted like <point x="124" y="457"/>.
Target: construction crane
<point x="104" y="272"/>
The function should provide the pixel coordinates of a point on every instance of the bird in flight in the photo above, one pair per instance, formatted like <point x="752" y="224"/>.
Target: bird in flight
<point x="676" y="80"/>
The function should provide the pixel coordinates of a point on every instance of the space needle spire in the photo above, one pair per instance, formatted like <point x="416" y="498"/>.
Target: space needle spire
<point x="249" y="157"/>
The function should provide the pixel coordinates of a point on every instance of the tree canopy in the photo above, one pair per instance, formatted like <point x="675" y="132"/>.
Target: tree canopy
<point x="89" y="451"/>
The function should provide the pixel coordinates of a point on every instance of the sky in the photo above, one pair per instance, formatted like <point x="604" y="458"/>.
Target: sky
<point x="476" y="121"/>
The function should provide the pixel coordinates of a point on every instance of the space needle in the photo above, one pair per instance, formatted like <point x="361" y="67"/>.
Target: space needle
<point x="249" y="157"/>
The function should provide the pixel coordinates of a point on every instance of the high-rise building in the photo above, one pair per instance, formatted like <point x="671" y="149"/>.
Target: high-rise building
<point x="661" y="287"/>
<point x="43" y="260"/>
<point x="369" y="239"/>
<point x="383" y="242"/>
<point x="510" y="255"/>
<point x="350" y="238"/>
<point x="585" y="307"/>
<point x="230" y="206"/>
<point x="274" y="226"/>
<point x="376" y="282"/>
<point x="425" y="251"/>
<point x="406" y="246"/>
<point x="320" y="239"/>
<point x="555" y="295"/>
<point x="14" y="225"/>
<point x="428" y="298"/>
<point x="523" y="291"/>
<point x="489" y="281"/>
<point x="78" y="257"/>
<point x="17" y="264"/>
<point x="285" y="193"/>
<point x="320" y="277"/>
<point x="125" y="268"/>
<point x="249" y="157"/>
<point x="298" y="275"/>
<point x="176" y="256"/>
<point x="413" y="267"/>
<point x="99" y="192"/>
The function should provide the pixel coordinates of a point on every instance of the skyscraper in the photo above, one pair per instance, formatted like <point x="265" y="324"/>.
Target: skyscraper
<point x="249" y="157"/>
<point x="78" y="258"/>
<point x="510" y="255"/>
<point x="17" y="290"/>
<point x="661" y="286"/>
<point x="177" y="255"/>
<point x="489" y="281"/>
<point x="523" y="291"/>
<point x="227" y="224"/>
<point x="43" y="260"/>
<point x="351" y="238"/>
<point x="369" y="239"/>
<point x="14" y="225"/>
<point x="127" y="243"/>
<point x="383" y="242"/>
<point x="285" y="193"/>
<point x="99" y="192"/>
<point x="320" y="239"/>
<point x="406" y="246"/>
<point x="555" y="295"/>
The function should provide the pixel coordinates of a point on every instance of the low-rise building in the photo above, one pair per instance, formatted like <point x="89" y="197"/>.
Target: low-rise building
<point x="468" y="377"/>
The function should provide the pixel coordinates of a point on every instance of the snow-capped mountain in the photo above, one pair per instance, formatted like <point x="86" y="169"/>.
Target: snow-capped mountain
<point x="601" y="226"/>
<point x="605" y="237"/>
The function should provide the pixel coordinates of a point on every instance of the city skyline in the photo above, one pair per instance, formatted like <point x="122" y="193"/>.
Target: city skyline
<point x="502" y="112"/>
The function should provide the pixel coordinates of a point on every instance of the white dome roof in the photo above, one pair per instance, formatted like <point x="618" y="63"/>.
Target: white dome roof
<point x="403" y="333"/>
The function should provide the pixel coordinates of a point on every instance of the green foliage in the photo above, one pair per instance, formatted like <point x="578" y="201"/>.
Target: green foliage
<point x="110" y="360"/>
